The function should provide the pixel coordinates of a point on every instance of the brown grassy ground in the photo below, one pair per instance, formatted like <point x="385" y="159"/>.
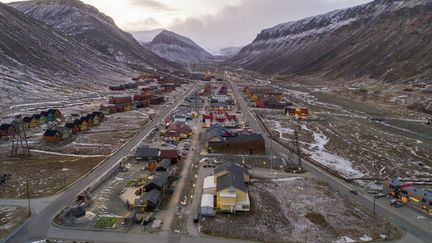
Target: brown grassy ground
<point x="47" y="174"/>
<point x="10" y="217"/>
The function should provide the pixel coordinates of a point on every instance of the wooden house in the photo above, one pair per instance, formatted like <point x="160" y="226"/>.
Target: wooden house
<point x="172" y="155"/>
<point x="163" y="165"/>
<point x="6" y="130"/>
<point x="231" y="191"/>
<point x="146" y="154"/>
<point x="36" y="118"/>
<point x="147" y="202"/>
<point x="30" y="122"/>
<point x="241" y="144"/>
<point x="158" y="181"/>
<point x="74" y="127"/>
<point x="83" y="124"/>
<point x="52" y="135"/>
<point x="65" y="132"/>
<point x="43" y="117"/>
<point x="55" y="113"/>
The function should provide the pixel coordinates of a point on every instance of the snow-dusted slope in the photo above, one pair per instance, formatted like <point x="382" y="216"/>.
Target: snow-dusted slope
<point x="37" y="63"/>
<point x="178" y="48"/>
<point x="384" y="39"/>
<point x="85" y="23"/>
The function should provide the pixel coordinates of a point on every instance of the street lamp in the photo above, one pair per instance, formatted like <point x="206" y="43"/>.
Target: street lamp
<point x="28" y="196"/>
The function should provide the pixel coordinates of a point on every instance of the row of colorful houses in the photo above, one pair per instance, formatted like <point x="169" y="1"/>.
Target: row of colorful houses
<point x="44" y="117"/>
<point x="58" y="133"/>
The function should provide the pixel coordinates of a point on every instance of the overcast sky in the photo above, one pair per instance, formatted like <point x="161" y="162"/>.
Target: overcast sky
<point x="213" y="24"/>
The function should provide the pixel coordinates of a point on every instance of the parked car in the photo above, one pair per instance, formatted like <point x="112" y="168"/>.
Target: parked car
<point x="380" y="195"/>
<point x="354" y="192"/>
<point x="398" y="204"/>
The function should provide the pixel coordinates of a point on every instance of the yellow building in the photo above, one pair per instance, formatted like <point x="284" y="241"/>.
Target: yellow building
<point x="231" y="190"/>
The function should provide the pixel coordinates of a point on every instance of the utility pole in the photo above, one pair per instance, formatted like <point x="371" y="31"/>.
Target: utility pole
<point x="28" y="196"/>
<point x="374" y="205"/>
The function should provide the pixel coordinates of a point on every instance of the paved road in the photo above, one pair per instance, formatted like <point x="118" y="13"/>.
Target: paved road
<point x="420" y="229"/>
<point x="40" y="227"/>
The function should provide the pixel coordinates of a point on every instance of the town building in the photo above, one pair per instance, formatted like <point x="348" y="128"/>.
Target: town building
<point x="231" y="191"/>
<point x="146" y="154"/>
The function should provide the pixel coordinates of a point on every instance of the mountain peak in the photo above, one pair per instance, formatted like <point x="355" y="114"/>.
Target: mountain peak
<point x="175" y="47"/>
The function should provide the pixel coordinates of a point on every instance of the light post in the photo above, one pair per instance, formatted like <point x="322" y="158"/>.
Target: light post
<point x="374" y="204"/>
<point x="28" y="196"/>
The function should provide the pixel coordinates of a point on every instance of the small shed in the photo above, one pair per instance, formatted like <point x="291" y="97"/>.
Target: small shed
<point x="207" y="205"/>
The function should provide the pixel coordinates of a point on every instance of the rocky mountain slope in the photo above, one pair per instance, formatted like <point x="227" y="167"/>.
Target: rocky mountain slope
<point x="384" y="40"/>
<point x="178" y="48"/>
<point x="230" y="51"/>
<point x="38" y="63"/>
<point x="86" y="24"/>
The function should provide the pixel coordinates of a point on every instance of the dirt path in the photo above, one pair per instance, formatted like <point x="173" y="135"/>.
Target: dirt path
<point x="172" y="206"/>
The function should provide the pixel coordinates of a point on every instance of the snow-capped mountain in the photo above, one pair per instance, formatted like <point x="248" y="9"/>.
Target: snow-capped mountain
<point x="384" y="39"/>
<point x="38" y="63"/>
<point x="178" y="48"/>
<point x="86" y="24"/>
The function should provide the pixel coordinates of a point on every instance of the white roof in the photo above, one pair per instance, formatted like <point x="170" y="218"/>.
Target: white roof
<point x="209" y="182"/>
<point x="207" y="200"/>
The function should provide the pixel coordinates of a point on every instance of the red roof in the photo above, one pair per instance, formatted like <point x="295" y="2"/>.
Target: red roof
<point x="169" y="154"/>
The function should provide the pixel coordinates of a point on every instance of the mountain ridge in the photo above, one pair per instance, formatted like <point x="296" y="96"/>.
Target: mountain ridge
<point x="88" y="25"/>
<point x="178" y="48"/>
<point x="378" y="40"/>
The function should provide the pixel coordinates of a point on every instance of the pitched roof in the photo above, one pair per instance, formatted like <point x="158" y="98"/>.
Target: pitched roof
<point x="232" y="168"/>
<point x="169" y="154"/>
<point x="150" y="196"/>
<point x="147" y="152"/>
<point x="165" y="164"/>
<point x="159" y="179"/>
<point x="230" y="180"/>
<point x="216" y="131"/>
<point x="5" y="126"/>
<point x="51" y="133"/>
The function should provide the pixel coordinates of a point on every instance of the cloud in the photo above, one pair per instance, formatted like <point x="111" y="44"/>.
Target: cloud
<point x="238" y="25"/>
<point x="150" y="4"/>
<point x="144" y="24"/>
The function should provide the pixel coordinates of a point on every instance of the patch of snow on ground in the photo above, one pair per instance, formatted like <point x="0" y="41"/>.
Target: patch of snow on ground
<point x="318" y="153"/>
<point x="365" y="238"/>
<point x="345" y="239"/>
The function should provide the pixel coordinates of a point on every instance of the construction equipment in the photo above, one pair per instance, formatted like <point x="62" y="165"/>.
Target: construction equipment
<point x="19" y="139"/>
